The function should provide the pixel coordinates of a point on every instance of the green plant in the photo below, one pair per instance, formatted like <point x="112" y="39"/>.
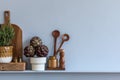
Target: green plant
<point x="6" y="34"/>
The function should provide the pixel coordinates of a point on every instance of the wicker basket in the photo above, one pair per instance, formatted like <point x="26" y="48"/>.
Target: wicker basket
<point x="6" y="54"/>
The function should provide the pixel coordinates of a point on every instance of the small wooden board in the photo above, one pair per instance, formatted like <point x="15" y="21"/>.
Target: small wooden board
<point x="56" y="68"/>
<point x="12" y="66"/>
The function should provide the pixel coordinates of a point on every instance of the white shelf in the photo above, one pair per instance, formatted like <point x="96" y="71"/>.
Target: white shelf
<point x="55" y="71"/>
<point x="28" y="71"/>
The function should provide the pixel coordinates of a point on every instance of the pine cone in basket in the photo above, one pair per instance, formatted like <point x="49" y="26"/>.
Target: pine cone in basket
<point x="29" y="51"/>
<point x="35" y="41"/>
<point x="41" y="51"/>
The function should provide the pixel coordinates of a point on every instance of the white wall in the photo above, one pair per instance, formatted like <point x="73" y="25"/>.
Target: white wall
<point x="93" y="26"/>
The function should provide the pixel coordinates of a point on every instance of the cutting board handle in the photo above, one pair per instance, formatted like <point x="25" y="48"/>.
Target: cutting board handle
<point x="6" y="17"/>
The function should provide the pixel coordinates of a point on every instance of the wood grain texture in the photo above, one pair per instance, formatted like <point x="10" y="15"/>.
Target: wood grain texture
<point x="17" y="42"/>
<point x="12" y="66"/>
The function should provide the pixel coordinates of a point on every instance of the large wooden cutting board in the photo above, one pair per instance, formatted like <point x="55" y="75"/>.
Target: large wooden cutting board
<point x="17" y="41"/>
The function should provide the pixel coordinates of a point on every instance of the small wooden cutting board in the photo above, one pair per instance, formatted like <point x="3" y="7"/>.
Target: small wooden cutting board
<point x="17" y="41"/>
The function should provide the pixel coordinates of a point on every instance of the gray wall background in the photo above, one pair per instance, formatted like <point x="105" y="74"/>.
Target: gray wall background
<point x="94" y="27"/>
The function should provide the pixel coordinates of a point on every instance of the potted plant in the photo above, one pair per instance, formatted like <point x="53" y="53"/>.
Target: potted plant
<point x="6" y="36"/>
<point x="37" y="53"/>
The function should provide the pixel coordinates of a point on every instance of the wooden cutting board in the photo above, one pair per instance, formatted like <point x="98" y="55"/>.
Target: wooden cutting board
<point x="17" y="41"/>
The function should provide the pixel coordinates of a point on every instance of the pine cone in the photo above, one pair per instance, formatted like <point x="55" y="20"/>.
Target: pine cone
<point x="29" y="51"/>
<point x="41" y="51"/>
<point x="35" y="41"/>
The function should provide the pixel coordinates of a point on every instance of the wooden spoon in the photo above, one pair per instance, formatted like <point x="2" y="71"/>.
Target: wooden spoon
<point x="55" y="34"/>
<point x="65" y="37"/>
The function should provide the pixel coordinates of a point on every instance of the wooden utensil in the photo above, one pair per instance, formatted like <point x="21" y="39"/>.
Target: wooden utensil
<point x="65" y="37"/>
<point x="55" y="34"/>
<point x="17" y="41"/>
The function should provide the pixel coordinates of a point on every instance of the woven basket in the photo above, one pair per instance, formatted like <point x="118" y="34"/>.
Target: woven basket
<point x="6" y="54"/>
